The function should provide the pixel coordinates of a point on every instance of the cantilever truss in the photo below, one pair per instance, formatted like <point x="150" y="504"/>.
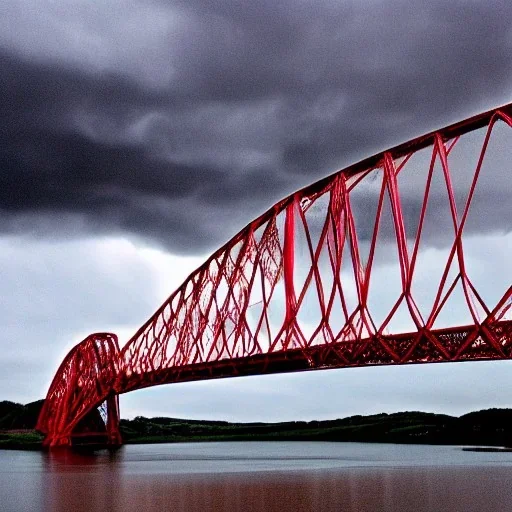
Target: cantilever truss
<point x="371" y="265"/>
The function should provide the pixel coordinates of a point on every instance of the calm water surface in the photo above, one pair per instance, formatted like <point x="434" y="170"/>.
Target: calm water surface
<point x="277" y="476"/>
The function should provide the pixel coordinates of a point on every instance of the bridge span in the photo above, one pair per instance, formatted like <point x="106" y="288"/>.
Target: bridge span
<point x="369" y="266"/>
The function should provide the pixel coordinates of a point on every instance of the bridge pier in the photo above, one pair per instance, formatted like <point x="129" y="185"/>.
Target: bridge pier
<point x="92" y="430"/>
<point x="113" y="433"/>
<point x="85" y="381"/>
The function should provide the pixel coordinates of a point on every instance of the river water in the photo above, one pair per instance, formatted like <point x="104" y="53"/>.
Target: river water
<point x="258" y="476"/>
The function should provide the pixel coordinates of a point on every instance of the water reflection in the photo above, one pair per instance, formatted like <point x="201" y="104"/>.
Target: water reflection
<point x="357" y="490"/>
<point x="133" y="480"/>
<point x="80" y="482"/>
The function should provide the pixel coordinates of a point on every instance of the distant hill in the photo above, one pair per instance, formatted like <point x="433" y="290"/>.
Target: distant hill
<point x="15" y="416"/>
<point x="491" y="427"/>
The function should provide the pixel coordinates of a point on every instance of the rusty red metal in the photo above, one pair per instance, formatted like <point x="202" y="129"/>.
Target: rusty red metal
<point x="298" y="288"/>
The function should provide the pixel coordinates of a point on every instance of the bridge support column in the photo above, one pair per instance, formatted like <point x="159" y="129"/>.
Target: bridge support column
<point x="113" y="433"/>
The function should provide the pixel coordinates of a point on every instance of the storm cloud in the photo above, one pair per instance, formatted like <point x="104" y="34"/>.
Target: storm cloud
<point x="178" y="122"/>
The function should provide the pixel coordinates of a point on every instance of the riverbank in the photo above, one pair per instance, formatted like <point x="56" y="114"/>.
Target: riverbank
<point x="483" y="428"/>
<point x="491" y="427"/>
<point x="21" y="440"/>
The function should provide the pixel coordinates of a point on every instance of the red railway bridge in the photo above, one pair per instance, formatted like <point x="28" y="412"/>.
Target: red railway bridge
<point x="349" y="271"/>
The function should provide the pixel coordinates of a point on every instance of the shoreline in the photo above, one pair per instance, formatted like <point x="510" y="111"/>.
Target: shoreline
<point x="485" y="430"/>
<point x="37" y="446"/>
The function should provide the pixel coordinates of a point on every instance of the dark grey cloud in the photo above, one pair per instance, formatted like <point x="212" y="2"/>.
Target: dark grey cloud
<point x="52" y="170"/>
<point x="182" y="128"/>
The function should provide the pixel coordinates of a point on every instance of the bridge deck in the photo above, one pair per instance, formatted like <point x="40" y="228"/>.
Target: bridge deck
<point x="466" y="343"/>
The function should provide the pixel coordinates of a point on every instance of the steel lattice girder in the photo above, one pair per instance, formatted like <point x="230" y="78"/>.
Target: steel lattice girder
<point x="296" y="289"/>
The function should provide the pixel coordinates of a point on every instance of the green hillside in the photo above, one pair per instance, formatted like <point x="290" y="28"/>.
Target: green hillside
<point x="492" y="427"/>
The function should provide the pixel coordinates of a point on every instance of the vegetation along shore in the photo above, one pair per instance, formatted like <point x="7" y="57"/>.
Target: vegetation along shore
<point x="491" y="427"/>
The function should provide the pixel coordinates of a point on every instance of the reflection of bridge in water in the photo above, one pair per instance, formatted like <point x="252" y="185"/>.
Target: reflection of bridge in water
<point x="338" y="274"/>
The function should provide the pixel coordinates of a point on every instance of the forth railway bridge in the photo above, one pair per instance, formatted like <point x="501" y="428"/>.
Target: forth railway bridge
<point x="335" y="275"/>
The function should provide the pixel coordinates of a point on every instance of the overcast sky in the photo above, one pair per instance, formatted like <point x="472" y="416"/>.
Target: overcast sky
<point x="137" y="136"/>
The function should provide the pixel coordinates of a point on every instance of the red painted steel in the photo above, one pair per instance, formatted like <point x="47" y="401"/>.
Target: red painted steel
<point x="303" y="287"/>
<point x="84" y="380"/>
